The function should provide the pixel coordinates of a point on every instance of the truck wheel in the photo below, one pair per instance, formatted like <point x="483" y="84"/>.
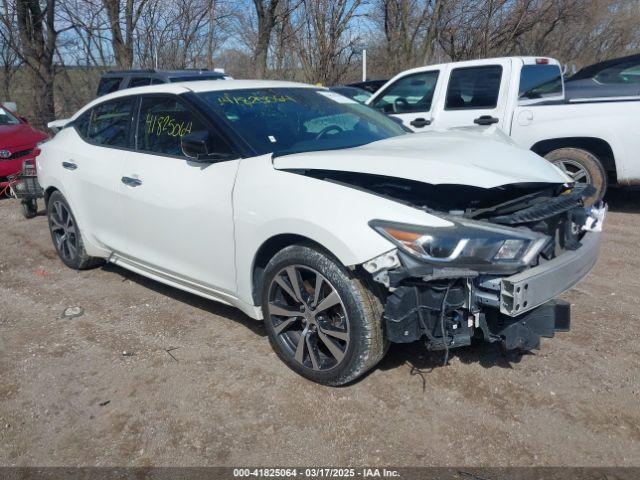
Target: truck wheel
<point x="582" y="167"/>
<point x="65" y="234"/>
<point x="29" y="208"/>
<point x="322" y="321"/>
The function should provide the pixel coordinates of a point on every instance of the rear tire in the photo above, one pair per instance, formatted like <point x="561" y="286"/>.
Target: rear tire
<point x="331" y="337"/>
<point x="65" y="234"/>
<point x="583" y="167"/>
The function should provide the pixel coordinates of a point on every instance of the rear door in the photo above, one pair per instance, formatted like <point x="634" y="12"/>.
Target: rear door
<point x="475" y="95"/>
<point x="410" y="98"/>
<point x="91" y="168"/>
<point x="178" y="213"/>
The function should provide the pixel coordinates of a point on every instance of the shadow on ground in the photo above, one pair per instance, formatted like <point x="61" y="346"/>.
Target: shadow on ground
<point x="623" y="199"/>
<point x="414" y="355"/>
<point x="206" y="305"/>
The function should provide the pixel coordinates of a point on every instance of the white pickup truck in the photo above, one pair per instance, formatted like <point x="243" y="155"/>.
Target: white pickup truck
<point x="595" y="141"/>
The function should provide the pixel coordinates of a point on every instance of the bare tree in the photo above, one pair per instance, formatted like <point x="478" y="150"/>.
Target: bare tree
<point x="266" y="12"/>
<point x="410" y="29"/>
<point x="9" y="47"/>
<point x="326" y="42"/>
<point x="123" y="18"/>
<point x="36" y="27"/>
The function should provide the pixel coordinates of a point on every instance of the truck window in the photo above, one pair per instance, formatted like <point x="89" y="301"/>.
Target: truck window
<point x="474" y="87"/>
<point x="108" y="85"/>
<point x="540" y="81"/>
<point x="412" y="93"/>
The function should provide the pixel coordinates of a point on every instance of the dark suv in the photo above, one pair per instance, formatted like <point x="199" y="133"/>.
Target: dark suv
<point x="114" y="80"/>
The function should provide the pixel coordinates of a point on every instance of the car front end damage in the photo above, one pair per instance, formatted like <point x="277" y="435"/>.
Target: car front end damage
<point x="495" y="273"/>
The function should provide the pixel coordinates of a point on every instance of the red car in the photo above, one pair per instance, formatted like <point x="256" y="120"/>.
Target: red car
<point x="18" y="139"/>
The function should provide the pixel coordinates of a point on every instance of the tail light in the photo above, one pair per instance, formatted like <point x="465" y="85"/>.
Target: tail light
<point x="542" y="61"/>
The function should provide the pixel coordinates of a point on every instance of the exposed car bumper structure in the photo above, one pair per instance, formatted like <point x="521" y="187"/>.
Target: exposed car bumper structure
<point x="12" y="161"/>
<point x="446" y="306"/>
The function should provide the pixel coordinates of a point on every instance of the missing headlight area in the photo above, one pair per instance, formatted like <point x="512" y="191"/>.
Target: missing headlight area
<point x="495" y="273"/>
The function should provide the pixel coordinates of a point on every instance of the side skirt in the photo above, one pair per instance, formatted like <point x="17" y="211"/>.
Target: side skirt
<point x="182" y="283"/>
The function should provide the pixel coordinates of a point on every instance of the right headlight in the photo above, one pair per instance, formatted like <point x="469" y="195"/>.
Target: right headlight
<point x="467" y="244"/>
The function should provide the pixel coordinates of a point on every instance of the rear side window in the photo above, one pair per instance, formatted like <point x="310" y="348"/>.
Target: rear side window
<point x="540" y="81"/>
<point x="412" y="93"/>
<point x="110" y="122"/>
<point x="474" y="87"/>
<point x="139" y="82"/>
<point x="163" y="121"/>
<point x="81" y="124"/>
<point x="108" y="85"/>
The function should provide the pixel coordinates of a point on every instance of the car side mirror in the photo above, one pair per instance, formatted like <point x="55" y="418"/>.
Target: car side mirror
<point x="23" y="119"/>
<point x="196" y="146"/>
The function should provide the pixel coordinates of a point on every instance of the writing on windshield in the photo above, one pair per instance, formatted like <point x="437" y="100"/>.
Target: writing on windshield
<point x="299" y="119"/>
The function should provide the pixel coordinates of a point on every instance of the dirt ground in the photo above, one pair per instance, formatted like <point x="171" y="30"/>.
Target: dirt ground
<point x="204" y="388"/>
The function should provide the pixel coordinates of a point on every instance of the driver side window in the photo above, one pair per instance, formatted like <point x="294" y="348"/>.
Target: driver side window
<point x="412" y="93"/>
<point x="163" y="121"/>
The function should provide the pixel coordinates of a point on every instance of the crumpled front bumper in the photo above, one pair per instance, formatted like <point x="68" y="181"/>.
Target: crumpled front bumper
<point x="449" y="306"/>
<point x="531" y="288"/>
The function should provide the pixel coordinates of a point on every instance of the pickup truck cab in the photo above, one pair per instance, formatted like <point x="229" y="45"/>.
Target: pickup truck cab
<point x="594" y="141"/>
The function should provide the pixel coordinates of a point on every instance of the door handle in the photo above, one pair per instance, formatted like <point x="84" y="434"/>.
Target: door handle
<point x="69" y="165"/>
<point x="486" y="120"/>
<point x="131" y="182"/>
<point x="420" y="122"/>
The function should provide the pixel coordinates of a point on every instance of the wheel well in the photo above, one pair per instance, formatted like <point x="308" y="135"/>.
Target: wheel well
<point x="266" y="252"/>
<point x="47" y="194"/>
<point x="598" y="147"/>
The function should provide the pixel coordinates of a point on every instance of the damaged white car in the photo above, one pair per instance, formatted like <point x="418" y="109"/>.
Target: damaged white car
<point x="323" y="217"/>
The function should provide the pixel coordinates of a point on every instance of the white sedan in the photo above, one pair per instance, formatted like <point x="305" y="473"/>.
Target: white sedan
<point x="321" y="216"/>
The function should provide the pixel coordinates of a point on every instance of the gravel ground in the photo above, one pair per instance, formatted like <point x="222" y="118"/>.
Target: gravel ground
<point x="204" y="388"/>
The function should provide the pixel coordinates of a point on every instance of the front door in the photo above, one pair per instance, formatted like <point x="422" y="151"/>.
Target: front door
<point x="410" y="99"/>
<point x="178" y="212"/>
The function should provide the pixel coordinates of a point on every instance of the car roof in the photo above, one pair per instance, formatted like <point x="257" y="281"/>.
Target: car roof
<point x="180" y="88"/>
<point x="162" y="73"/>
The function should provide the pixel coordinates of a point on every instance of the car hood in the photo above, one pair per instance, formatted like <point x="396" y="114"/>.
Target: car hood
<point x="452" y="157"/>
<point x="19" y="135"/>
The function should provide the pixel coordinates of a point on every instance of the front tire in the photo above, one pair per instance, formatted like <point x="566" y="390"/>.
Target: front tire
<point x="322" y="321"/>
<point x="66" y="236"/>
<point x="583" y="167"/>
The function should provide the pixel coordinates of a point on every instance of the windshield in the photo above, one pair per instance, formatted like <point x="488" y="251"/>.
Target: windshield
<point x="290" y="120"/>
<point x="6" y="118"/>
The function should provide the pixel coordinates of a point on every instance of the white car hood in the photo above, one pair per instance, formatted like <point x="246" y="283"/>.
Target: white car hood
<point x="450" y="157"/>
